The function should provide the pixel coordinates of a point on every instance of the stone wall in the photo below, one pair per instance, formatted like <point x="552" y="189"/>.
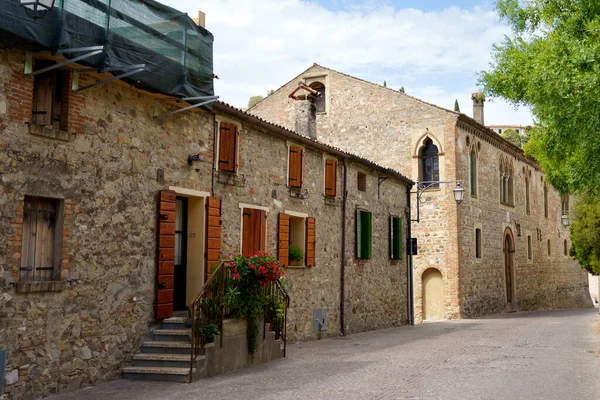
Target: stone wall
<point x="106" y="164"/>
<point x="547" y="281"/>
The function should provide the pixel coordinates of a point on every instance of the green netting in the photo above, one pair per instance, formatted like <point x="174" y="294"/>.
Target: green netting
<point x="177" y="53"/>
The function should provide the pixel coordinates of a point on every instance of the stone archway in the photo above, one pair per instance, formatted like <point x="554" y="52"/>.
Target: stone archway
<point x="509" y="269"/>
<point x="433" y="295"/>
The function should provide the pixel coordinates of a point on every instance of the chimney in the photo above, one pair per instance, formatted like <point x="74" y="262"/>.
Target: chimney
<point x="306" y="116"/>
<point x="478" y="99"/>
<point x="201" y="20"/>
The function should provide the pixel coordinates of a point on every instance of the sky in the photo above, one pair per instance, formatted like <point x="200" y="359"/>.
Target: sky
<point x="432" y="48"/>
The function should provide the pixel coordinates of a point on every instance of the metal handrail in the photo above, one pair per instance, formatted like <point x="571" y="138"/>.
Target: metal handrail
<point x="279" y="287"/>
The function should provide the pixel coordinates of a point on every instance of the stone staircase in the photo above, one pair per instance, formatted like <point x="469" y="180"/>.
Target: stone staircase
<point x="167" y="356"/>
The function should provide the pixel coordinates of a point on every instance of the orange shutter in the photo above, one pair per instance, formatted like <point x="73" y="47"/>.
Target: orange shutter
<point x="284" y="239"/>
<point x="295" y="167"/>
<point x="310" y="242"/>
<point x="213" y="234"/>
<point x="330" y="177"/>
<point x="227" y="147"/>
<point x="254" y="230"/>
<point x="165" y="259"/>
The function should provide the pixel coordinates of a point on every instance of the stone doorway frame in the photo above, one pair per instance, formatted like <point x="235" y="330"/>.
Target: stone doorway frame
<point x="508" y="249"/>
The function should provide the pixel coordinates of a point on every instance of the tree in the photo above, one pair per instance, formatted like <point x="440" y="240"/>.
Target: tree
<point x="254" y="100"/>
<point x="551" y="65"/>
<point x="384" y="84"/>
<point x="401" y="90"/>
<point x="512" y="136"/>
<point x="456" y="106"/>
<point x="585" y="235"/>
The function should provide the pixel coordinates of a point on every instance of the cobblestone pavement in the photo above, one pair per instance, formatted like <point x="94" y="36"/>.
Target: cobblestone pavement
<point x="538" y="355"/>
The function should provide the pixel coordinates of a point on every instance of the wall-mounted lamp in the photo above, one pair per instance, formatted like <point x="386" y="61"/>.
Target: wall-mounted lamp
<point x="194" y="157"/>
<point x="564" y="220"/>
<point x="458" y="192"/>
<point x="36" y="9"/>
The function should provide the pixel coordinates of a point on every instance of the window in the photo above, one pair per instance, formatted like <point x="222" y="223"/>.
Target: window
<point x="529" y="249"/>
<point x="430" y="167"/>
<point x="361" y="181"/>
<point x="47" y="96"/>
<point x="499" y="130"/>
<point x="254" y="229"/>
<point x="545" y="200"/>
<point x="395" y="238"/>
<point x="295" y="166"/>
<point x="473" y="159"/>
<point x="41" y="252"/>
<point x="516" y="130"/>
<point x="527" y="200"/>
<point x="228" y="147"/>
<point x="364" y="235"/>
<point x="330" y="177"/>
<point x="477" y="243"/>
<point x="549" y="248"/>
<point x="320" y="101"/>
<point x="296" y="239"/>
<point x="566" y="249"/>
<point x="506" y="182"/>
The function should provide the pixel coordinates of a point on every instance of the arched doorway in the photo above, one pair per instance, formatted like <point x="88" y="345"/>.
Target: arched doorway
<point x="509" y="249"/>
<point x="433" y="295"/>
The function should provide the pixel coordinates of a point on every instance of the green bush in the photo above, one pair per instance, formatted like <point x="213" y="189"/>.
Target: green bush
<point x="296" y="254"/>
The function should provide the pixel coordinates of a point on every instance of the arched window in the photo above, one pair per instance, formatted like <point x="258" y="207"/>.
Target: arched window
<point x="507" y="184"/>
<point x="320" y="102"/>
<point x="549" y="248"/>
<point x="527" y="201"/>
<point x="430" y="165"/>
<point x="545" y="200"/>
<point x="473" y="163"/>
<point x="566" y="249"/>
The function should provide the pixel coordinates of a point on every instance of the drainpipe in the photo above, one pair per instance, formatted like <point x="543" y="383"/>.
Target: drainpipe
<point x="343" y="257"/>
<point x="215" y="155"/>
<point x="409" y="285"/>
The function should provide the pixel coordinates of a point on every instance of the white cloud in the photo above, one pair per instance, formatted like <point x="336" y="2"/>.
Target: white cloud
<point x="260" y="45"/>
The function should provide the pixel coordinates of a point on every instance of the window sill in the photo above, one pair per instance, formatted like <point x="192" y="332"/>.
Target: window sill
<point x="45" y="286"/>
<point x="507" y="205"/>
<point x="231" y="178"/>
<point x="296" y="267"/>
<point x="51" y="133"/>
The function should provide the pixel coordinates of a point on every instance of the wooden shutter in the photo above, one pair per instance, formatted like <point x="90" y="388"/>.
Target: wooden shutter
<point x="254" y="230"/>
<point x="213" y="235"/>
<point x="295" y="167"/>
<point x="228" y="138"/>
<point x="310" y="242"/>
<point x="284" y="239"/>
<point x="364" y="237"/>
<point x="358" y="235"/>
<point x="39" y="226"/>
<point x="43" y="90"/>
<point x="165" y="260"/>
<point x="330" y="177"/>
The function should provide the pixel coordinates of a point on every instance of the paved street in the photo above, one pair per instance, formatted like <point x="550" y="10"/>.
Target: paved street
<point x="541" y="355"/>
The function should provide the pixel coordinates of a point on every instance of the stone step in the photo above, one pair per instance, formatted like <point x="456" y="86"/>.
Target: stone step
<point x="172" y="335"/>
<point x="164" y="347"/>
<point x="175" y="323"/>
<point x="165" y="360"/>
<point x="169" y="374"/>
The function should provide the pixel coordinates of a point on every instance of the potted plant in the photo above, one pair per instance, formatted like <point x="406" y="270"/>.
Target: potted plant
<point x="296" y="256"/>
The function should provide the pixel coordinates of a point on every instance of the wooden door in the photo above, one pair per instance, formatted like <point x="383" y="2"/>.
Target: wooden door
<point x="165" y="254"/>
<point x="508" y="268"/>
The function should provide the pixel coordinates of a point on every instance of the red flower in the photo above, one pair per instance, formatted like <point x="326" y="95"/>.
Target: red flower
<point x="236" y="276"/>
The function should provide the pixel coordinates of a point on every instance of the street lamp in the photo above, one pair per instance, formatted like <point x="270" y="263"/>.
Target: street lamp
<point x="564" y="220"/>
<point x="458" y="192"/>
<point x="36" y="8"/>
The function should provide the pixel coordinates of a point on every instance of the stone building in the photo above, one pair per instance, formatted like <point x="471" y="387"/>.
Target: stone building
<point x="503" y="248"/>
<point x="79" y="216"/>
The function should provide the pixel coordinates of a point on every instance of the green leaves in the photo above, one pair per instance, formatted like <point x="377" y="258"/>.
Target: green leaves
<point x="585" y="235"/>
<point x="551" y="64"/>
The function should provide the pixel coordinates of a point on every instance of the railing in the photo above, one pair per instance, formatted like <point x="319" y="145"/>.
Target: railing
<point x="210" y="307"/>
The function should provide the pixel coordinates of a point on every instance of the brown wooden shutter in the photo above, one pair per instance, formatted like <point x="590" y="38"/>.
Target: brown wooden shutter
<point x="228" y="147"/>
<point x="254" y="230"/>
<point x="39" y="226"/>
<point x="310" y="242"/>
<point x="43" y="91"/>
<point x="330" y="177"/>
<point x="165" y="260"/>
<point x="295" y="167"/>
<point x="284" y="239"/>
<point x="213" y="235"/>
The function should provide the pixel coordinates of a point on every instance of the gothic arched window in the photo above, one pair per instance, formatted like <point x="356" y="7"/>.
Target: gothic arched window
<point x="320" y="102"/>
<point x="430" y="165"/>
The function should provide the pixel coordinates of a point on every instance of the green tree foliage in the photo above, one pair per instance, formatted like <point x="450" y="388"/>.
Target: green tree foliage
<point x="552" y="64"/>
<point x="585" y="235"/>
<point x="253" y="100"/>
<point x="384" y="84"/>
<point x="512" y="136"/>
<point x="456" y="106"/>
<point x="401" y="90"/>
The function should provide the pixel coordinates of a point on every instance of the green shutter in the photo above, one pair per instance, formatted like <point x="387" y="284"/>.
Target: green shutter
<point x="392" y="241"/>
<point x="358" y="235"/>
<point x="398" y="238"/>
<point x="366" y="233"/>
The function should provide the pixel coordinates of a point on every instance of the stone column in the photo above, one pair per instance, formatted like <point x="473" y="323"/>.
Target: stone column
<point x="478" y="100"/>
